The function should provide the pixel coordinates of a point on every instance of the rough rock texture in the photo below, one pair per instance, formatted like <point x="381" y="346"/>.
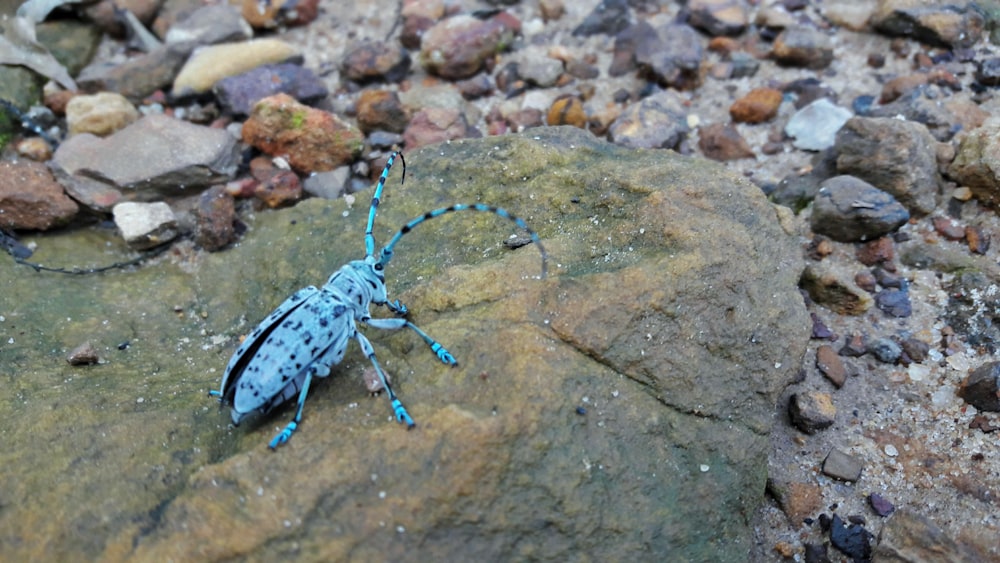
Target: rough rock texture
<point x="30" y="198"/>
<point x="670" y="314"/>
<point x="312" y="140"/>
<point x="908" y="536"/>
<point x="977" y="163"/>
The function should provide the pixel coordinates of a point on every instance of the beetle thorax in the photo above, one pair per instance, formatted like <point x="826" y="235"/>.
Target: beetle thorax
<point x="357" y="283"/>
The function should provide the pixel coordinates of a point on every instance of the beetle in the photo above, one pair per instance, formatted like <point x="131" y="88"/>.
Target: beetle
<point x="308" y="333"/>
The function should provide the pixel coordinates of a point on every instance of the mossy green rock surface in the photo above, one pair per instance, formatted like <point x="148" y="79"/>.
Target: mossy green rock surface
<point x="670" y="315"/>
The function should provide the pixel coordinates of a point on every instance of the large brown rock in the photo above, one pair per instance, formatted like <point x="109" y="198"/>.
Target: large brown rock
<point x="619" y="407"/>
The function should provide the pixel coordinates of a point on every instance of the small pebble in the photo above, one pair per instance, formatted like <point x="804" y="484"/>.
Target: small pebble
<point x="722" y="141"/>
<point x="815" y="126"/>
<point x="854" y="346"/>
<point x="915" y="349"/>
<point x="876" y="251"/>
<point x="830" y="365"/>
<point x="99" y="114"/>
<point x="894" y="302"/>
<point x="758" y="106"/>
<point x="803" y="47"/>
<point x="145" y="225"/>
<point x="840" y="465"/>
<point x="819" y="329"/>
<point x="811" y="411"/>
<point x="880" y="505"/>
<point x="567" y="110"/>
<point x="948" y="227"/>
<point x="977" y="239"/>
<point x="866" y="281"/>
<point x="885" y="350"/>
<point x="854" y="540"/>
<point x="83" y="355"/>
<point x="375" y="61"/>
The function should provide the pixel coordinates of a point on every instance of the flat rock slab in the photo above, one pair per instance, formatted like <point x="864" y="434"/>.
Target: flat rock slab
<point x="670" y="315"/>
<point x="157" y="154"/>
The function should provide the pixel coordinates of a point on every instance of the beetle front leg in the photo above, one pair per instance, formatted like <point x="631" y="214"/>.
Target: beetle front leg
<point x="397" y="308"/>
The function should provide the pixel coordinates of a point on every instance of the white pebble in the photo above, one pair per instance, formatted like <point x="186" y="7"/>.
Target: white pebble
<point x="918" y="372"/>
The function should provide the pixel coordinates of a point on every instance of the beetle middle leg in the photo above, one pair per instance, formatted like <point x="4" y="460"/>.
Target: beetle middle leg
<point x="395" y="324"/>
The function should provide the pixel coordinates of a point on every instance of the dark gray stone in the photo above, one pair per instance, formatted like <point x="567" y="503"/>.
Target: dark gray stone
<point x="981" y="388"/>
<point x="609" y="17"/>
<point x="885" y="350"/>
<point x="671" y="56"/>
<point x="898" y="157"/>
<point x="656" y="122"/>
<point x="849" y="209"/>
<point x="238" y="94"/>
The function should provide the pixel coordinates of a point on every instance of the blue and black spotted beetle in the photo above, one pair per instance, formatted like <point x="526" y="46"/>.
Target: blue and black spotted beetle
<point x="308" y="333"/>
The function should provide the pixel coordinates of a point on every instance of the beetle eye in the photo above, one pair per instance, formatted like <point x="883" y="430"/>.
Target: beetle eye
<point x="378" y="267"/>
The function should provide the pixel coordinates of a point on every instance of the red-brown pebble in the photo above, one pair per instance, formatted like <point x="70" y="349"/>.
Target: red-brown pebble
<point x="758" y="106"/>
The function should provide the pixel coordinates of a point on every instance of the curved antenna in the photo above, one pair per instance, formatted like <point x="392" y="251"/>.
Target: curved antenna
<point x="376" y="198"/>
<point x="386" y="254"/>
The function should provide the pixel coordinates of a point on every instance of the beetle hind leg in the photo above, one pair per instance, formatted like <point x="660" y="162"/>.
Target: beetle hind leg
<point x="285" y="434"/>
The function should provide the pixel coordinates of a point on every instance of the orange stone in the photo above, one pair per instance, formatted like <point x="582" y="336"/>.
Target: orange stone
<point x="758" y="106"/>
